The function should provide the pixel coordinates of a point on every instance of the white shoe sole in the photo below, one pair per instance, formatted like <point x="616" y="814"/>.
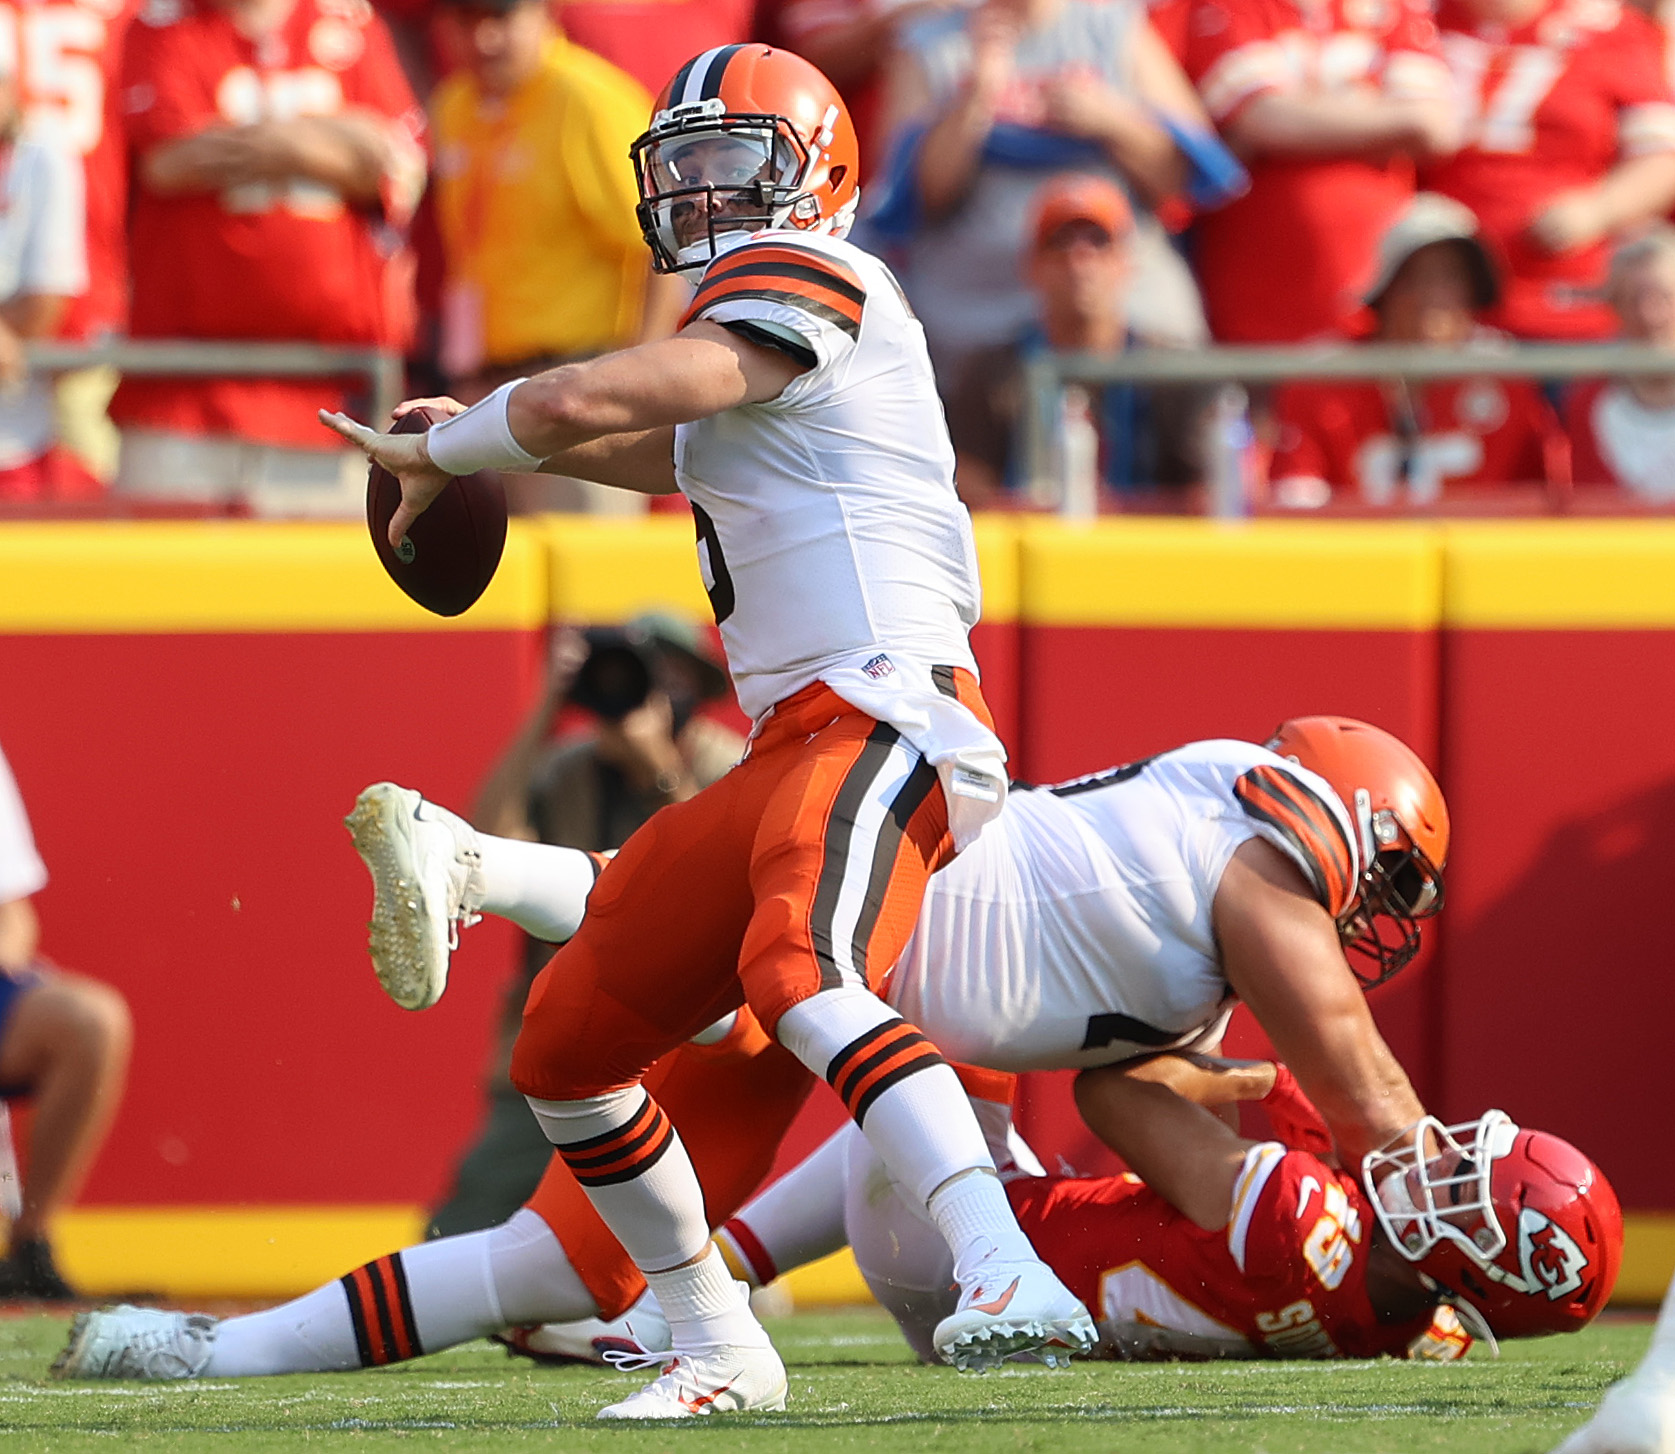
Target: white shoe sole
<point x="409" y="959"/>
<point x="989" y="1343"/>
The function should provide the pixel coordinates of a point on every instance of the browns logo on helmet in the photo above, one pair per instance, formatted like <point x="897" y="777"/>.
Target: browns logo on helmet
<point x="1519" y="1226"/>
<point x="1402" y="823"/>
<point x="744" y="138"/>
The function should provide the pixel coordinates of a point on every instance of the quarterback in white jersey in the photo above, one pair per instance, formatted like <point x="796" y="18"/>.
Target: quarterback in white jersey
<point x="795" y="409"/>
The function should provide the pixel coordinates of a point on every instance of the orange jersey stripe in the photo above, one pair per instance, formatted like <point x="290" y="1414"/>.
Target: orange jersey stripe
<point x="820" y="286"/>
<point x="999" y="1086"/>
<point x="1309" y="826"/>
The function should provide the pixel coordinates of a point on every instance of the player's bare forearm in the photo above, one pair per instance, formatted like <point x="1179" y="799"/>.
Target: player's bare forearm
<point x="1205" y="1080"/>
<point x="702" y="370"/>
<point x="1180" y="1150"/>
<point x="1281" y="954"/>
<point x="643" y="462"/>
<point x="351" y="153"/>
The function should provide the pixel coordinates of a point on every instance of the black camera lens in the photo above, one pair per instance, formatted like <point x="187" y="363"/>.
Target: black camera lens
<point x="616" y="677"/>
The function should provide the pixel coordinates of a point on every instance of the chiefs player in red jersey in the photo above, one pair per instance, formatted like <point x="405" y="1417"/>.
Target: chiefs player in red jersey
<point x="276" y="151"/>
<point x="1216" y="1246"/>
<point x="1393" y="443"/>
<point x="1569" y="139"/>
<point x="1327" y="105"/>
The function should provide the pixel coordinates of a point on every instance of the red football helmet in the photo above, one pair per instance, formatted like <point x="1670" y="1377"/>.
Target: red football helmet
<point x="1520" y="1227"/>
<point x="745" y="137"/>
<point x="1402" y="824"/>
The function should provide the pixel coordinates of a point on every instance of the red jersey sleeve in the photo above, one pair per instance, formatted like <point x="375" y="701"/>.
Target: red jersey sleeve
<point x="1233" y="54"/>
<point x="1297" y="1224"/>
<point x="164" y="96"/>
<point x="1646" y="108"/>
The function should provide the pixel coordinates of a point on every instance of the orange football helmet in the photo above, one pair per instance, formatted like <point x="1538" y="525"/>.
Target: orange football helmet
<point x="1402" y="826"/>
<point x="1521" y="1229"/>
<point x="745" y="137"/>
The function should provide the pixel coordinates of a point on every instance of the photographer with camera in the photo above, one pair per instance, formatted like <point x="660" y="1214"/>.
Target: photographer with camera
<point x="648" y="746"/>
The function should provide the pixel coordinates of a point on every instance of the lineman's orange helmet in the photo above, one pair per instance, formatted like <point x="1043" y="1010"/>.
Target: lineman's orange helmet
<point x="1402" y="827"/>
<point x="745" y="137"/>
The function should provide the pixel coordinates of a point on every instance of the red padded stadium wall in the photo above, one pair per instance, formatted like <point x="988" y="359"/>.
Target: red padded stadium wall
<point x="187" y="793"/>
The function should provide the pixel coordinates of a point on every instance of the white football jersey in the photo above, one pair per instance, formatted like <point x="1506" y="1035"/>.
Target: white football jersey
<point x="829" y="533"/>
<point x="1076" y="931"/>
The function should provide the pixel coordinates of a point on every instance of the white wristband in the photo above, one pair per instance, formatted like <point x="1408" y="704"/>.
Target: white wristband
<point x="480" y="439"/>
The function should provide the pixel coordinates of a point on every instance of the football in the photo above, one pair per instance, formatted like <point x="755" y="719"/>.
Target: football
<point x="449" y="554"/>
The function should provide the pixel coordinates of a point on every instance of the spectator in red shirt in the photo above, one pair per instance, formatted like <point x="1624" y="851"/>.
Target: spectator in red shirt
<point x="276" y="153"/>
<point x="1390" y="443"/>
<point x="1622" y="431"/>
<point x="1327" y="105"/>
<point x="1569" y="139"/>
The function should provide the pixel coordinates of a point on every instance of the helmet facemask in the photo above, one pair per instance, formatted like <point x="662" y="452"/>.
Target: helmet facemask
<point x="1399" y="887"/>
<point x="1435" y="1186"/>
<point x="704" y="171"/>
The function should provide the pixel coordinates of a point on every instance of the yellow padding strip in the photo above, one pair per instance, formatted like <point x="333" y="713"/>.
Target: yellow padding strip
<point x="1251" y="575"/>
<point x="1554" y="574"/>
<point x="833" y="1281"/>
<point x="208" y="1252"/>
<point x="1648" y="1258"/>
<point x="154" y="576"/>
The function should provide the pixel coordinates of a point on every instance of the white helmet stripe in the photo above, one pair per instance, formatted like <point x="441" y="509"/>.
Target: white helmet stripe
<point x="698" y="75"/>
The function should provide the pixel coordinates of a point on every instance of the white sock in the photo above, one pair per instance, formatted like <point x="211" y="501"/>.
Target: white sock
<point x="310" y="1334"/>
<point x="704" y="1306"/>
<point x="446" y="1292"/>
<point x="976" y="1221"/>
<point x="900" y="1091"/>
<point x="540" y="888"/>
<point x="624" y="1151"/>
<point x="796" y="1220"/>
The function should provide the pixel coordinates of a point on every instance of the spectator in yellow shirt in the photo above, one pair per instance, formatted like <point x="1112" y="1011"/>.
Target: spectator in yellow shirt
<point x="535" y="197"/>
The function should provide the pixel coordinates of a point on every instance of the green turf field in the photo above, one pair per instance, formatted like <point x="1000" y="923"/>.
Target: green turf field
<point x="852" y="1387"/>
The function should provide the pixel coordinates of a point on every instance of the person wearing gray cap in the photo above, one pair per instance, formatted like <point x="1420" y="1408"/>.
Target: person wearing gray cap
<point x="1388" y="443"/>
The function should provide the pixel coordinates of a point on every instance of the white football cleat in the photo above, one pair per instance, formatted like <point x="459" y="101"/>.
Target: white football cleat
<point x="130" y="1342"/>
<point x="641" y="1332"/>
<point x="1637" y="1416"/>
<point x="1010" y="1309"/>
<point x="723" y="1380"/>
<point x="427" y="883"/>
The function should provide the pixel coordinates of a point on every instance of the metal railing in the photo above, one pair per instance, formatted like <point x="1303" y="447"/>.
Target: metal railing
<point x="196" y="358"/>
<point x="1049" y="465"/>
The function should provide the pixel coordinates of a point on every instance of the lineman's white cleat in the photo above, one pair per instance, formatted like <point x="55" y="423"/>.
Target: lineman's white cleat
<point x="1637" y="1416"/>
<point x="130" y="1342"/>
<point x="724" y="1380"/>
<point x="427" y="882"/>
<point x="1008" y="1310"/>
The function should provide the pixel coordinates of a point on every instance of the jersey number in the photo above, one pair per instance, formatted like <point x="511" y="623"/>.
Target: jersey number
<point x="1504" y="120"/>
<point x="54" y="52"/>
<point x="1330" y="1246"/>
<point x="718" y="584"/>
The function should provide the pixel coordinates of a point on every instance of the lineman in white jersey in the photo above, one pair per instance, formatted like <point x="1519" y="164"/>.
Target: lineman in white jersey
<point x="1144" y="897"/>
<point x="795" y="409"/>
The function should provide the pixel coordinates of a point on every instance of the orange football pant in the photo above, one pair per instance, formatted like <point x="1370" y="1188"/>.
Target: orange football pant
<point x="799" y="871"/>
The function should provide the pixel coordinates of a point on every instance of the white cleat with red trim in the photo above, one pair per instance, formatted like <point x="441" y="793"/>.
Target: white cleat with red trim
<point x="695" y="1383"/>
<point x="1012" y="1310"/>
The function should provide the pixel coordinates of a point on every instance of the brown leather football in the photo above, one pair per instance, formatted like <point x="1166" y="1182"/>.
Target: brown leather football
<point x="449" y="554"/>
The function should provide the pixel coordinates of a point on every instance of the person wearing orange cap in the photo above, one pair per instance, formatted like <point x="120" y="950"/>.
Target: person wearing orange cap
<point x="1080" y="267"/>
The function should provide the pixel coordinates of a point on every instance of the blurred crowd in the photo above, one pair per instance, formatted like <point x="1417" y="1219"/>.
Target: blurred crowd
<point x="450" y="179"/>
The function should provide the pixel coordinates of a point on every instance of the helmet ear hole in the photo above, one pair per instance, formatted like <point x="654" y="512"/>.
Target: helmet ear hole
<point x="834" y="178"/>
